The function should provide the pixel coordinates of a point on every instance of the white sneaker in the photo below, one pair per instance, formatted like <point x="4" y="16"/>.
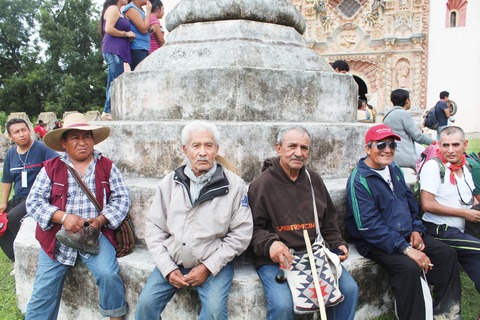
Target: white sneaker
<point x="12" y="273"/>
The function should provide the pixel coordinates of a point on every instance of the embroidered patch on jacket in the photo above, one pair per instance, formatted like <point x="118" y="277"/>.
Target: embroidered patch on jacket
<point x="245" y="201"/>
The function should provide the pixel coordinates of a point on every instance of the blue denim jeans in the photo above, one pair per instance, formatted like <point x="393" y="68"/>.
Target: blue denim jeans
<point x="279" y="298"/>
<point x="213" y="295"/>
<point x="137" y="56"/>
<point x="48" y="286"/>
<point x="115" y="69"/>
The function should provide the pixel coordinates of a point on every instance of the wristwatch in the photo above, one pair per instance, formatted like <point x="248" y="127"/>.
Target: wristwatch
<point x="406" y="250"/>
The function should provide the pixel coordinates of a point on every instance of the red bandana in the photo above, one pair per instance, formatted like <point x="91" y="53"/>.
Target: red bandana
<point x="452" y="167"/>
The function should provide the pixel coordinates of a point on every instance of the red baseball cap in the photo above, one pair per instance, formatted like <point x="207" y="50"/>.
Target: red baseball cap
<point x="3" y="223"/>
<point x="380" y="132"/>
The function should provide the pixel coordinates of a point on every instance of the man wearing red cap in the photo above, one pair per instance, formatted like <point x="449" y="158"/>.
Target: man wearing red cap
<point x="382" y="218"/>
<point x="447" y="199"/>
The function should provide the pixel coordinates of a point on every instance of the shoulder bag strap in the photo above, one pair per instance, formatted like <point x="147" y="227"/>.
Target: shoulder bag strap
<point x="84" y="188"/>
<point x="317" y="226"/>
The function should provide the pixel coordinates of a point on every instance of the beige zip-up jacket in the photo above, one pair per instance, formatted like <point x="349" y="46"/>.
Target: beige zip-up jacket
<point x="213" y="230"/>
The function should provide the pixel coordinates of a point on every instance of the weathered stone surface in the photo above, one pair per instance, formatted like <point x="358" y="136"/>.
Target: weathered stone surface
<point x="280" y="12"/>
<point x="152" y="149"/>
<point x="234" y="43"/>
<point x="66" y="113"/>
<point x="49" y="118"/>
<point x="256" y="95"/>
<point x="246" y="299"/>
<point x="93" y="115"/>
<point x="20" y="115"/>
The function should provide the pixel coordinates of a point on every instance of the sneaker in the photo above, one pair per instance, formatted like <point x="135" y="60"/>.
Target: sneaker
<point x="12" y="273"/>
<point x="106" y="116"/>
<point x="85" y="241"/>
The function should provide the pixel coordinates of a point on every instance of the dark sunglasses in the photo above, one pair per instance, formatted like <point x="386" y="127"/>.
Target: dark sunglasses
<point x="382" y="145"/>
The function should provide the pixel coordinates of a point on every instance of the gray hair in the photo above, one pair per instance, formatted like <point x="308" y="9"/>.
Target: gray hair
<point x="452" y="130"/>
<point x="298" y="128"/>
<point x="200" y="126"/>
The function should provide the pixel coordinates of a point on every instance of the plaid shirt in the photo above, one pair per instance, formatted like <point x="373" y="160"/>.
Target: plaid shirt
<point x="39" y="207"/>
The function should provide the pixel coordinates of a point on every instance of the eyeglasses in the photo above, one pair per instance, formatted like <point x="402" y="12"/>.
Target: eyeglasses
<point x="382" y="145"/>
<point x="469" y="203"/>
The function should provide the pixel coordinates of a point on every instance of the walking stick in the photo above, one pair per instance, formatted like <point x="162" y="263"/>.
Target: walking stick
<point x="311" y="258"/>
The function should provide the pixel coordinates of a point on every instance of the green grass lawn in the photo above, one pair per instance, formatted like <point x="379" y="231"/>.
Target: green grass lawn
<point x="8" y="305"/>
<point x="473" y="146"/>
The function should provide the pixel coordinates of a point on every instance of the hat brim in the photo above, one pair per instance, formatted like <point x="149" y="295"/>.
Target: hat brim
<point x="53" y="139"/>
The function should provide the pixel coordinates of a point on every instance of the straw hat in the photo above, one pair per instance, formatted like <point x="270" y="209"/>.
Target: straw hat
<point x="53" y="139"/>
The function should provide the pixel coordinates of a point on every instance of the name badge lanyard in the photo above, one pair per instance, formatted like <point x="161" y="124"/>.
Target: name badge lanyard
<point x="24" y="171"/>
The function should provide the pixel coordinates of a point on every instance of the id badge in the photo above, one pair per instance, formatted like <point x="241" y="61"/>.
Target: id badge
<point x="24" y="179"/>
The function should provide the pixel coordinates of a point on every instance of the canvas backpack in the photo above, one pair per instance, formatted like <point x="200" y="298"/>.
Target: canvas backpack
<point x="430" y="119"/>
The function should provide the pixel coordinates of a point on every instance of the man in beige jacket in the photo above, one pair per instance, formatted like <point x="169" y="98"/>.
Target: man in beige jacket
<point x="199" y="221"/>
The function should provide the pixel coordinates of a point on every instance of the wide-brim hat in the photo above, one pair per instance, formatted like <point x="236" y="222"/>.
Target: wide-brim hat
<point x="77" y="121"/>
<point x="379" y="132"/>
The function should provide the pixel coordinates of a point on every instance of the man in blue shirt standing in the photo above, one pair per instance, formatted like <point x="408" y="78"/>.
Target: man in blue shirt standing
<point x="22" y="164"/>
<point x="442" y="111"/>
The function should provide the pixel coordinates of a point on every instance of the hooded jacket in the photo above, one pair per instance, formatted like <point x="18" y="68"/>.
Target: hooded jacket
<point x="376" y="215"/>
<point x="403" y="125"/>
<point x="283" y="208"/>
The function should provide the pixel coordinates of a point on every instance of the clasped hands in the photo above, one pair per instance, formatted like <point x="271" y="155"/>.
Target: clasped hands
<point x="196" y="277"/>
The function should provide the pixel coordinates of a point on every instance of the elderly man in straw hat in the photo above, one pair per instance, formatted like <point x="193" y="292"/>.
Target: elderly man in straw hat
<point x="60" y="206"/>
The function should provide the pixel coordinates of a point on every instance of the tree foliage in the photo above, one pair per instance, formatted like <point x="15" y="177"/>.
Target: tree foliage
<point x="68" y="74"/>
<point x="17" y="22"/>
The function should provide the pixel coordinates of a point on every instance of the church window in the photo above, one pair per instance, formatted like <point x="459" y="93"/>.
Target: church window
<point x="349" y="7"/>
<point x="456" y="14"/>
<point x="453" y="19"/>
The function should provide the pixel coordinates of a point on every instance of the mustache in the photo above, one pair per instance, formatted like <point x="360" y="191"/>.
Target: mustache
<point x="297" y="158"/>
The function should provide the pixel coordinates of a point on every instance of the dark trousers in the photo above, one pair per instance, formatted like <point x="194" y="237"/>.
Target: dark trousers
<point x="16" y="211"/>
<point x="405" y="275"/>
<point x="466" y="245"/>
<point x="137" y="56"/>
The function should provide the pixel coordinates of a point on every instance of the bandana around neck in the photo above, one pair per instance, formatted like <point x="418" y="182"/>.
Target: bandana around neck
<point x="452" y="167"/>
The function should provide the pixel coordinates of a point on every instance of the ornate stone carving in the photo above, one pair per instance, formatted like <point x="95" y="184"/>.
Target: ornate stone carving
<point x="403" y="23"/>
<point x="402" y="75"/>
<point x="386" y="36"/>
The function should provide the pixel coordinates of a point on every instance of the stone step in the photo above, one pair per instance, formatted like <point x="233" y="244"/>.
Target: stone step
<point x="153" y="148"/>
<point x="246" y="299"/>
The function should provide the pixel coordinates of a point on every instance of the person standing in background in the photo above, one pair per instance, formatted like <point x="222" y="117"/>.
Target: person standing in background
<point x="40" y="129"/>
<point x="402" y="124"/>
<point x="139" y="23"/>
<point x="20" y="168"/>
<point x="442" y="111"/>
<point x="116" y="37"/>
<point x="156" y="30"/>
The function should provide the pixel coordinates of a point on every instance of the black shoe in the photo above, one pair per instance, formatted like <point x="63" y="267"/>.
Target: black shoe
<point x="86" y="240"/>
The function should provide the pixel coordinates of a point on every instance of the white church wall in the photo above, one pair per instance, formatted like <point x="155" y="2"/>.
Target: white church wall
<point x="454" y="63"/>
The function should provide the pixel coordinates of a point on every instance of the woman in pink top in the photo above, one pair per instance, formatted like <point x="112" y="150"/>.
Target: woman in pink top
<point x="156" y="30"/>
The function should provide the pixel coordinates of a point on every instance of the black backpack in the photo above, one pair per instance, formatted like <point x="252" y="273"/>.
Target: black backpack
<point x="430" y="119"/>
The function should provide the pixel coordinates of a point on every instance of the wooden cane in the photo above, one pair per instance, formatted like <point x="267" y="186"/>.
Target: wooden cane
<point x="311" y="258"/>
